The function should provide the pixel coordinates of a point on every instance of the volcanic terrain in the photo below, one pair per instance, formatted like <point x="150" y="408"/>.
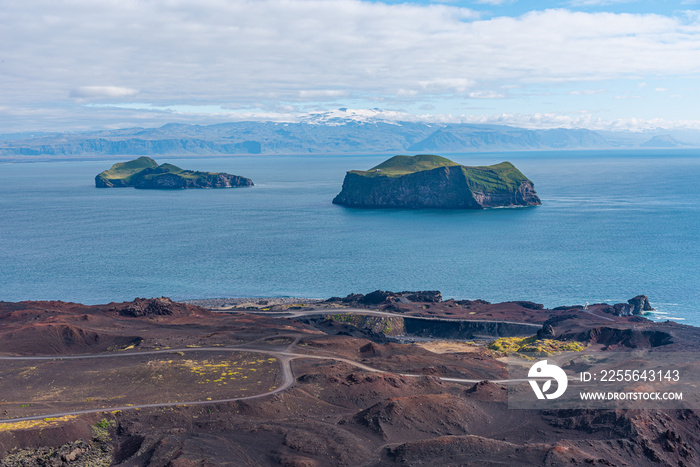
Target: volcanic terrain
<point x="378" y="379"/>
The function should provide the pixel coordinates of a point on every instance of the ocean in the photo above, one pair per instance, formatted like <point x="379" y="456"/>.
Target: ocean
<point x="612" y="225"/>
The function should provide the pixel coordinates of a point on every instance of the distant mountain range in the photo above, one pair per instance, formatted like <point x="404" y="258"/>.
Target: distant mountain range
<point x="663" y="141"/>
<point x="328" y="136"/>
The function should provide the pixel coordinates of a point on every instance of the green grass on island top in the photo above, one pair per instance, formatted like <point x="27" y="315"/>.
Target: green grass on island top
<point x="125" y="170"/>
<point x="404" y="165"/>
<point x="503" y="176"/>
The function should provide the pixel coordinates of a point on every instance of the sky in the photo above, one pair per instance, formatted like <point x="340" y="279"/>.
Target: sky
<point x="74" y="65"/>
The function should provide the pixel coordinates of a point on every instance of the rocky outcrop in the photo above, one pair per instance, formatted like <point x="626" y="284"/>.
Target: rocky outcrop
<point x="149" y="307"/>
<point x="377" y="297"/>
<point x="376" y="330"/>
<point x="145" y="173"/>
<point x="387" y="326"/>
<point x="620" y="338"/>
<point x="640" y="303"/>
<point x="425" y="296"/>
<point x="529" y="305"/>
<point x="93" y="453"/>
<point x="634" y="306"/>
<point x="469" y="303"/>
<point x="435" y="182"/>
<point x="547" y="332"/>
<point x="382" y="297"/>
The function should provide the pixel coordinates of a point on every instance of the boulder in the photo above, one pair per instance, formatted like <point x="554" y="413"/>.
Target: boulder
<point x="634" y="306"/>
<point x="163" y="306"/>
<point x="547" y="332"/>
<point x="640" y="304"/>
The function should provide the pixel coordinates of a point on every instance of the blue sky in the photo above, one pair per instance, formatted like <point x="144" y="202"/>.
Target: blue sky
<point x="599" y="64"/>
<point x="491" y="8"/>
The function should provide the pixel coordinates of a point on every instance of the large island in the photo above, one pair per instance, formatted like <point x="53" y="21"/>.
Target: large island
<point x="144" y="172"/>
<point x="427" y="181"/>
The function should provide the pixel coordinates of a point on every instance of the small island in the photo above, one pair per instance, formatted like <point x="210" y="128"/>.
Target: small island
<point x="145" y="173"/>
<point x="427" y="181"/>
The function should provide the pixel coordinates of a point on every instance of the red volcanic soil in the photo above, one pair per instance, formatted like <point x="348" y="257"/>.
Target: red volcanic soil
<point x="335" y="412"/>
<point x="55" y="327"/>
<point x="409" y="359"/>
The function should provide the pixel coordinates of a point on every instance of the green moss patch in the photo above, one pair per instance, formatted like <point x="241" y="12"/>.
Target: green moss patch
<point x="404" y="165"/>
<point x="126" y="169"/>
<point x="533" y="345"/>
<point x="503" y="177"/>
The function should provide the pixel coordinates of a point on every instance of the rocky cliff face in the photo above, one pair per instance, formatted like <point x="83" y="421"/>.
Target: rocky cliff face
<point x="462" y="329"/>
<point x="103" y="182"/>
<point x="174" y="181"/>
<point x="438" y="188"/>
<point x="523" y="195"/>
<point x="147" y="174"/>
<point x="446" y="187"/>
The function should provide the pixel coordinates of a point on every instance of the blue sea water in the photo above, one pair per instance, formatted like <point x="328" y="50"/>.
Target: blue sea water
<point x="613" y="224"/>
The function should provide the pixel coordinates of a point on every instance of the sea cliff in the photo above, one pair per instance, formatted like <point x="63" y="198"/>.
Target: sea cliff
<point x="427" y="181"/>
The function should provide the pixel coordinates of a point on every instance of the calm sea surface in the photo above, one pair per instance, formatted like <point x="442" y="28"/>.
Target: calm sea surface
<point x="613" y="224"/>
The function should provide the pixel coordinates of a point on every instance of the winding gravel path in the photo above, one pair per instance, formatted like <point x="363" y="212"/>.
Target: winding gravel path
<point x="285" y="358"/>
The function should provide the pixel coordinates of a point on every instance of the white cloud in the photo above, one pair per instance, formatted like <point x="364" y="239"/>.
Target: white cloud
<point x="598" y="2"/>
<point x="272" y="52"/>
<point x="661" y="89"/>
<point x="440" y="85"/>
<point x="542" y="120"/>
<point x="587" y="92"/>
<point x="321" y="94"/>
<point x="493" y="2"/>
<point x="587" y="121"/>
<point x="538" y="120"/>
<point x="97" y="92"/>
<point x="487" y="95"/>
<point x="406" y="93"/>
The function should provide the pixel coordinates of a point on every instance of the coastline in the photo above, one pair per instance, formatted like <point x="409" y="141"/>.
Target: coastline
<point x="400" y="371"/>
<point x="217" y="303"/>
<point x="557" y="254"/>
